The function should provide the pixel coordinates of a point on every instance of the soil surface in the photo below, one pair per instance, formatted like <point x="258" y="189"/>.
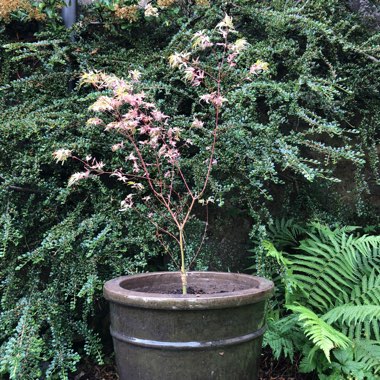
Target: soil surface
<point x="190" y="290"/>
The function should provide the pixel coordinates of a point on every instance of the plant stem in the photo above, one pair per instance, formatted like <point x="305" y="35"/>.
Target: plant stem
<point x="183" y="270"/>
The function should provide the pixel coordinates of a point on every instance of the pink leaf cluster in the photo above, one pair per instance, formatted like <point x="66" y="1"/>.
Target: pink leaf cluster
<point x="151" y="142"/>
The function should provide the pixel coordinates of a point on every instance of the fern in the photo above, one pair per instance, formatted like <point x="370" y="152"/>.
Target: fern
<point x="348" y="314"/>
<point x="327" y="267"/>
<point x="368" y="352"/>
<point x="370" y="261"/>
<point x="283" y="336"/>
<point x="332" y="283"/>
<point x="273" y="252"/>
<point x="285" y="232"/>
<point x="323" y="335"/>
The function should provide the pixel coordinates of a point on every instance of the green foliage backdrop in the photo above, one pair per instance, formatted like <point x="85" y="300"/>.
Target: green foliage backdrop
<point x="286" y="136"/>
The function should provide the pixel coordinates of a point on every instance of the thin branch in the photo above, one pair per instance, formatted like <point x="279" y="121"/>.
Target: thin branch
<point x="217" y="110"/>
<point x="158" y="236"/>
<point x="184" y="181"/>
<point x="158" y="227"/>
<point x="202" y="241"/>
<point x="171" y="186"/>
<point x="186" y="218"/>
<point x="158" y="195"/>
<point x="24" y="189"/>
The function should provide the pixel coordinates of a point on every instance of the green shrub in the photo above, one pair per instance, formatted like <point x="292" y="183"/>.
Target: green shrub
<point x="316" y="107"/>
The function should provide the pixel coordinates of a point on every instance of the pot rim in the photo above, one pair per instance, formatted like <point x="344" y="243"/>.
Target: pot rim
<point x="260" y="290"/>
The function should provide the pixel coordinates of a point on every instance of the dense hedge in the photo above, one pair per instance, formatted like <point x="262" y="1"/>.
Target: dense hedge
<point x="285" y="137"/>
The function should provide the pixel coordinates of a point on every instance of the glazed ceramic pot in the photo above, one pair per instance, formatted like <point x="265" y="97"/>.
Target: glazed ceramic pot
<point x="215" y="333"/>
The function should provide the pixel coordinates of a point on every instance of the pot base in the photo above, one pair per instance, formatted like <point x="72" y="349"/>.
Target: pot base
<point x="192" y="337"/>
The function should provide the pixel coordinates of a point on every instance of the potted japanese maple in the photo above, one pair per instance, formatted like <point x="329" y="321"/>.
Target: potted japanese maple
<point x="172" y="325"/>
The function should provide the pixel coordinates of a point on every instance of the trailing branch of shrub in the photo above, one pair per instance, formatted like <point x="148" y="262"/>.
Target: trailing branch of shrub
<point x="316" y="106"/>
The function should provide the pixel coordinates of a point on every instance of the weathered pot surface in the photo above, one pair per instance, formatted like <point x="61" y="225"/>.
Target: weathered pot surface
<point x="215" y="334"/>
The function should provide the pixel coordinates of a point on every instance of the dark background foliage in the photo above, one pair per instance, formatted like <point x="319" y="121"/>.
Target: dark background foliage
<point x="287" y="137"/>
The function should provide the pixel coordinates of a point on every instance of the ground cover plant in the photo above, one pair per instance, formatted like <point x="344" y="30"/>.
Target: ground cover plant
<point x="311" y="117"/>
<point x="327" y="304"/>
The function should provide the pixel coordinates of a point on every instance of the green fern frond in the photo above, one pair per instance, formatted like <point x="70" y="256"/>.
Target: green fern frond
<point x="319" y="332"/>
<point x="370" y="261"/>
<point x="337" y="278"/>
<point x="368" y="244"/>
<point x="366" y="292"/>
<point x="328" y="265"/>
<point x="352" y="314"/>
<point x="283" y="337"/>
<point x="285" y="232"/>
<point x="286" y="278"/>
<point x="368" y="352"/>
<point x="273" y="252"/>
<point x="313" y="359"/>
<point x="324" y="272"/>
